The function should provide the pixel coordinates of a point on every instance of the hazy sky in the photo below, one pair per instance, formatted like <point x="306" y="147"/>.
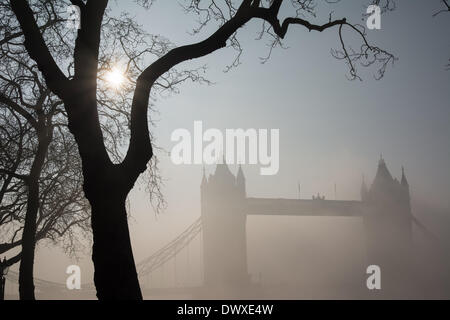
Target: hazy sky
<point x="331" y="130"/>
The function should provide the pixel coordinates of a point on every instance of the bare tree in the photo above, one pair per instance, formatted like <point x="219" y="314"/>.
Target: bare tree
<point x="12" y="194"/>
<point x="35" y="178"/>
<point x="59" y="207"/>
<point x="43" y="128"/>
<point x="107" y="183"/>
<point x="62" y="211"/>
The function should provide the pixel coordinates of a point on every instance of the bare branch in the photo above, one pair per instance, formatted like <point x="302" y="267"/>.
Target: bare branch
<point x="37" y="48"/>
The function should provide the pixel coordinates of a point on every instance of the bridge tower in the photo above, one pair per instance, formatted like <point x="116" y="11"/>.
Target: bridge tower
<point x="224" y="228"/>
<point x="388" y="225"/>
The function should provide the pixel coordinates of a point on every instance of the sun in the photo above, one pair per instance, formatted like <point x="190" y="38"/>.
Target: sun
<point x="115" y="78"/>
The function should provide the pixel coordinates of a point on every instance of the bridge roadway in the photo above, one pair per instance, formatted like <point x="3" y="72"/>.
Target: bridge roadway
<point x="303" y="207"/>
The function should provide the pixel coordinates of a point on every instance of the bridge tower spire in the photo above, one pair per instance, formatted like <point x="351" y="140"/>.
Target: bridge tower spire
<point x="240" y="182"/>
<point x="405" y="191"/>
<point x="204" y="179"/>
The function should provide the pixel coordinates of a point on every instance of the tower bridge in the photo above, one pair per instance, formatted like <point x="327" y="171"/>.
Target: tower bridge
<point x="384" y="207"/>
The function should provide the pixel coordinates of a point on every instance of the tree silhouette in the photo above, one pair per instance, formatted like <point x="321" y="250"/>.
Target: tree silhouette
<point x="41" y="190"/>
<point x="41" y="193"/>
<point x="445" y="9"/>
<point x="29" y="108"/>
<point x="62" y="211"/>
<point x="107" y="183"/>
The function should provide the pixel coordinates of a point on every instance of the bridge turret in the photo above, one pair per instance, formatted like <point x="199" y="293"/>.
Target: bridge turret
<point x="204" y="179"/>
<point x="364" y="190"/>
<point x="404" y="182"/>
<point x="405" y="191"/>
<point x="240" y="182"/>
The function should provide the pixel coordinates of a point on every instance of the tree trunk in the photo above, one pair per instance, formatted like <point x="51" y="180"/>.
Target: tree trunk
<point x="115" y="274"/>
<point x="26" y="283"/>
<point x="106" y="186"/>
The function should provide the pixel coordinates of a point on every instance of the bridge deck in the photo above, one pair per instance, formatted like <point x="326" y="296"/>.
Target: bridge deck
<point x="302" y="207"/>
